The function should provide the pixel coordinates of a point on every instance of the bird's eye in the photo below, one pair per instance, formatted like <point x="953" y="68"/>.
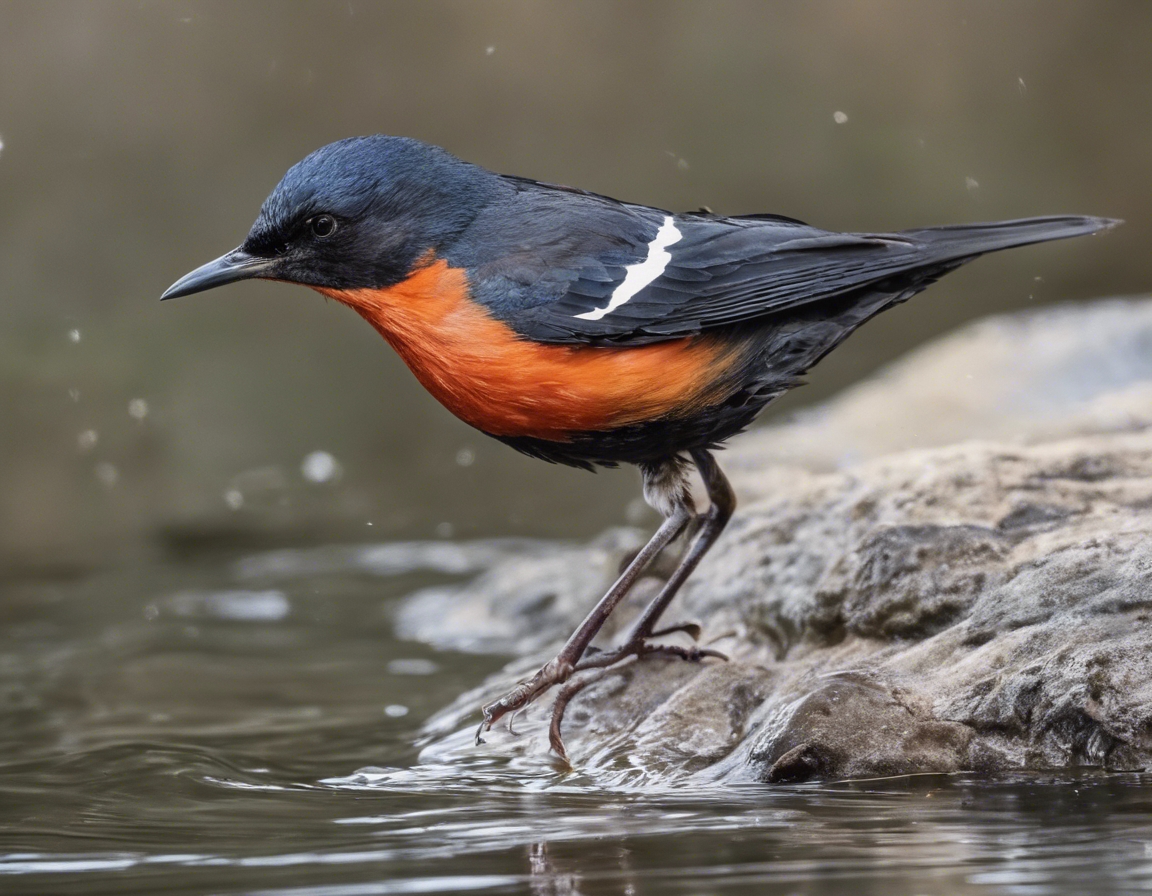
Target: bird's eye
<point x="323" y="226"/>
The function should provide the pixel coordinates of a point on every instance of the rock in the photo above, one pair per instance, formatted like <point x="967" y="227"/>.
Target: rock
<point x="521" y="601"/>
<point x="978" y="606"/>
<point x="850" y="725"/>
<point x="1022" y="378"/>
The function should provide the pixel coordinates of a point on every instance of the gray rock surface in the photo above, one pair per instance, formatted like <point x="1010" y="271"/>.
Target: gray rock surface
<point x="981" y="606"/>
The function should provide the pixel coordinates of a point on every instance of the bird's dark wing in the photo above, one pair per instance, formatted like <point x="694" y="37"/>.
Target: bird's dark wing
<point x="564" y="266"/>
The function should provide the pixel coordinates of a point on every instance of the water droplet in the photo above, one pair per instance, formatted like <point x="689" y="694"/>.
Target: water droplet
<point x="395" y="710"/>
<point x="971" y="183"/>
<point x="138" y="409"/>
<point x="74" y="394"/>
<point x="465" y="457"/>
<point x="489" y="51"/>
<point x="74" y="335"/>
<point x="107" y="474"/>
<point x="243" y="606"/>
<point x="412" y="667"/>
<point x="445" y="530"/>
<point x="234" y="498"/>
<point x="839" y="117"/>
<point x="87" y="440"/>
<point x="151" y="612"/>
<point x="320" y="466"/>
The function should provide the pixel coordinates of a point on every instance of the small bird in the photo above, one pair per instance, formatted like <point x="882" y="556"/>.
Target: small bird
<point x="587" y="331"/>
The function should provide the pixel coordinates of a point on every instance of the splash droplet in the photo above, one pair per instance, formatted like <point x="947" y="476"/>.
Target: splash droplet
<point x="320" y="466"/>
<point x="412" y="666"/>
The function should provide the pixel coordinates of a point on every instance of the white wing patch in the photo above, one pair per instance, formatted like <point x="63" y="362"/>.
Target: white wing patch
<point x="641" y="274"/>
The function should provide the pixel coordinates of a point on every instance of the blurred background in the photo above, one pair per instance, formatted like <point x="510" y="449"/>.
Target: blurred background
<point x="137" y="140"/>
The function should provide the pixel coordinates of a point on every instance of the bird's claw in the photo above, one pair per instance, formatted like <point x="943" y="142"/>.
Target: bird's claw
<point x="555" y="672"/>
<point x="691" y="629"/>
<point x="638" y="647"/>
<point x="558" y="672"/>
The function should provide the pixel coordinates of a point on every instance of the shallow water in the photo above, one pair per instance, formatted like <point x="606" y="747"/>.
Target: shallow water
<point x="229" y="725"/>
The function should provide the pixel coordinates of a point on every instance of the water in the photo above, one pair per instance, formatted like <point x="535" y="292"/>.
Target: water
<point x="249" y="724"/>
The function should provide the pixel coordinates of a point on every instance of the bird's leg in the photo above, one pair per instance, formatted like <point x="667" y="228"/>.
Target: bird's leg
<point x="679" y="513"/>
<point x="723" y="503"/>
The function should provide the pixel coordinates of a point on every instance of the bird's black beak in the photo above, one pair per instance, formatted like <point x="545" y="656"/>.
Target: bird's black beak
<point x="236" y="265"/>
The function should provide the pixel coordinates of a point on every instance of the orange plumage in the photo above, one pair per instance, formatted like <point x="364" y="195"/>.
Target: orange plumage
<point x="505" y="385"/>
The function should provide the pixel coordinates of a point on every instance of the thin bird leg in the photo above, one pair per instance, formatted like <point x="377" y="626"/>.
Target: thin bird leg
<point x="563" y="698"/>
<point x="723" y="503"/>
<point x="560" y="668"/>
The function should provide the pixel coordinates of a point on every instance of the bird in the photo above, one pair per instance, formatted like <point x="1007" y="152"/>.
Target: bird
<point x="588" y="331"/>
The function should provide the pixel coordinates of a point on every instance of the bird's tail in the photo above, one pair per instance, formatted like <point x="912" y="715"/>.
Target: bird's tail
<point x="938" y="251"/>
<point x="969" y="240"/>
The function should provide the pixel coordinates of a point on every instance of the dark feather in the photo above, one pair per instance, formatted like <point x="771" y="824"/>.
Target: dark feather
<point x="545" y="256"/>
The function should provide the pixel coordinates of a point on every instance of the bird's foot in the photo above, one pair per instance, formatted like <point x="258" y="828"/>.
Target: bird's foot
<point x="555" y="672"/>
<point x="638" y="646"/>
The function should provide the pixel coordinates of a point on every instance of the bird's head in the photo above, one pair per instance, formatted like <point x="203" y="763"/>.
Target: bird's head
<point x="357" y="213"/>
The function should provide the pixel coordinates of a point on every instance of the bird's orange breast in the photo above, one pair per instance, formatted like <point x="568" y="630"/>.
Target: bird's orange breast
<point x="505" y="385"/>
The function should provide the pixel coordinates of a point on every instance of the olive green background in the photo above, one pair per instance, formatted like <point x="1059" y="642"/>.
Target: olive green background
<point x="139" y="139"/>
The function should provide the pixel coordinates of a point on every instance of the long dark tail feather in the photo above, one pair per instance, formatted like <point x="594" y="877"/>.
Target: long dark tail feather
<point x="970" y="240"/>
<point x="944" y="249"/>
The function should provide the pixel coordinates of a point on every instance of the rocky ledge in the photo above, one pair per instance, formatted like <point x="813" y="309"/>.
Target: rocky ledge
<point x="978" y="605"/>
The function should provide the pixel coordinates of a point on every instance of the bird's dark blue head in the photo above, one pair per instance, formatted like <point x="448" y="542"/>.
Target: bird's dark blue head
<point x="361" y="212"/>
